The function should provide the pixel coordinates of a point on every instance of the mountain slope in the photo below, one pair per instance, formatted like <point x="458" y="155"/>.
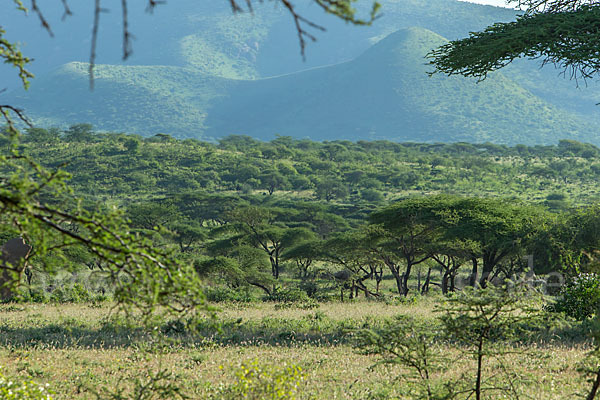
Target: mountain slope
<point x="383" y="94"/>
<point x="139" y="99"/>
<point x="386" y="94"/>
<point x="206" y="36"/>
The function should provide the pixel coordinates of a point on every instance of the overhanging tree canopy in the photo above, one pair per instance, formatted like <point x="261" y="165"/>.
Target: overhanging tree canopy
<point x="565" y="33"/>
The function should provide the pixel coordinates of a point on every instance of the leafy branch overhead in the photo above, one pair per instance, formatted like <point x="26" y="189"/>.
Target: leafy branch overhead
<point x="38" y="206"/>
<point x="564" y="33"/>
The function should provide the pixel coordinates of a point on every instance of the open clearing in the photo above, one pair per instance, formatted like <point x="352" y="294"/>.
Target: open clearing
<point x="75" y="347"/>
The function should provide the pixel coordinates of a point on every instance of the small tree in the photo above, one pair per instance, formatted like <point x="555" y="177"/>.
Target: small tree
<point x="258" y="227"/>
<point x="478" y="319"/>
<point x="329" y="189"/>
<point x="412" y="345"/>
<point x="591" y="364"/>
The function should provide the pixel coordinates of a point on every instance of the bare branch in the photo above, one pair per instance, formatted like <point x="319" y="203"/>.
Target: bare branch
<point x="127" y="50"/>
<point x="67" y="10"/>
<point x="5" y="110"/>
<point x="97" y="10"/>
<point x="43" y="21"/>
<point x="298" y="20"/>
<point x="551" y="6"/>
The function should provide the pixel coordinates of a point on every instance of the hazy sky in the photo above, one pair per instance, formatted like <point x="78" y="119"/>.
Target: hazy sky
<point x="498" y="3"/>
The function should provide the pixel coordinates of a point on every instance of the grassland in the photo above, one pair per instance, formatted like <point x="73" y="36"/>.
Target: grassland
<point x="80" y="348"/>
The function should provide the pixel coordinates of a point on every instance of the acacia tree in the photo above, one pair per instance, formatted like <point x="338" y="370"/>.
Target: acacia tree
<point x="304" y="254"/>
<point x="559" y="32"/>
<point x="258" y="227"/>
<point x="406" y="230"/>
<point x="450" y="255"/>
<point x="237" y="266"/>
<point x="496" y="229"/>
<point x="349" y="251"/>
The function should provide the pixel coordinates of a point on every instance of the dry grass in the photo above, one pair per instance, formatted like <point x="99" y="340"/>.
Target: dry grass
<point x="68" y="347"/>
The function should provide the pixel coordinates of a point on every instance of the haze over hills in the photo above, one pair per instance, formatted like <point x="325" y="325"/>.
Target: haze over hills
<point x="206" y="36"/>
<point x="386" y="94"/>
<point x="213" y="74"/>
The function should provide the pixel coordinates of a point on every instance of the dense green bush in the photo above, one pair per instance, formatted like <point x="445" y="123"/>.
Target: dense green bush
<point x="71" y="294"/>
<point x="289" y="295"/>
<point x="75" y="293"/>
<point x="219" y="294"/>
<point x="260" y="382"/>
<point x="19" y="389"/>
<point x="31" y="295"/>
<point x="580" y="298"/>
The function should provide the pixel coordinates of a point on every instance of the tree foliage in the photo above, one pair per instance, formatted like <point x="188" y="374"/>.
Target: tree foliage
<point x="37" y="205"/>
<point x="36" y="202"/>
<point x="559" y="32"/>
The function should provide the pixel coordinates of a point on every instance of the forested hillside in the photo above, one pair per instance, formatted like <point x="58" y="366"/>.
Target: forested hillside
<point x="207" y="37"/>
<point x="121" y="167"/>
<point x="233" y="208"/>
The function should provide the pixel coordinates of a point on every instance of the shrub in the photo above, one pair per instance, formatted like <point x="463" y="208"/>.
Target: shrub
<point x="76" y="293"/>
<point x="580" y="298"/>
<point x="372" y="195"/>
<point x="31" y="295"/>
<point x="260" y="382"/>
<point x="18" y="389"/>
<point x="218" y="294"/>
<point x="310" y="287"/>
<point x="289" y="295"/>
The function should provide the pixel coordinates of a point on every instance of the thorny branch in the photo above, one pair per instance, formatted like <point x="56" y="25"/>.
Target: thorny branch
<point x="5" y="110"/>
<point x="109" y="240"/>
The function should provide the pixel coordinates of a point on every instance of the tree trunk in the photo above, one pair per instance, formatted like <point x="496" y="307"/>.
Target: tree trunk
<point x="445" y="280"/>
<point x="595" y="387"/>
<point x="274" y="266"/>
<point x="396" y="273"/>
<point x="479" y="368"/>
<point x="425" y="288"/>
<point x="488" y="267"/>
<point x="405" y="277"/>
<point x="473" y="277"/>
<point x="378" y="279"/>
<point x="452" y="283"/>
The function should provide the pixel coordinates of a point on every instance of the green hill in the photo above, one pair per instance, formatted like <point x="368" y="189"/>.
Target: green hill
<point x="137" y="99"/>
<point x="206" y="36"/>
<point x="383" y="94"/>
<point x="387" y="94"/>
<point x="212" y="74"/>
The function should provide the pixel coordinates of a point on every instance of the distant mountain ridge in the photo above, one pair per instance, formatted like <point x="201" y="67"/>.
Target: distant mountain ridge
<point x="386" y="94"/>
<point x="206" y="36"/>
<point x="226" y="77"/>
